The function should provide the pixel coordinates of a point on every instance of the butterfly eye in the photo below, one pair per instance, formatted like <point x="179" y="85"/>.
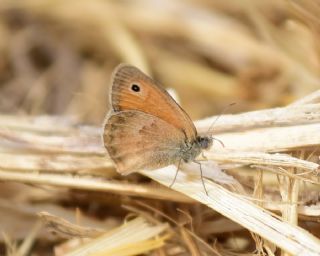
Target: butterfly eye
<point x="135" y="88"/>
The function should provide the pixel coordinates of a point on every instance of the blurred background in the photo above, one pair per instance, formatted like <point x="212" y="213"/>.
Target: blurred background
<point x="56" y="58"/>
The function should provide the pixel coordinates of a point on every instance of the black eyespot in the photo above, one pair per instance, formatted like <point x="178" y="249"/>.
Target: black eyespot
<point x="135" y="88"/>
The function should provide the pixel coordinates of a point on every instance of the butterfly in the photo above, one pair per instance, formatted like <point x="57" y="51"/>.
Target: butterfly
<point x="146" y="129"/>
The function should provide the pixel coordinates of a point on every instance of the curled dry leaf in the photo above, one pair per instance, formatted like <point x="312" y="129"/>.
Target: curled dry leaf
<point x="67" y="229"/>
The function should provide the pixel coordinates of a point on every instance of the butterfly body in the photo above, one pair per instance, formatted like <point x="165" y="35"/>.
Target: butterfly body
<point x="146" y="129"/>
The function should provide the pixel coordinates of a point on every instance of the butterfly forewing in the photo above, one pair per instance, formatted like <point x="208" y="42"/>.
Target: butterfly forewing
<point x="136" y="141"/>
<point x="133" y="90"/>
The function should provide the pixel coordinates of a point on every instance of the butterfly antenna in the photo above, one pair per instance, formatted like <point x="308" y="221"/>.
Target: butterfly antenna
<point x="221" y="113"/>
<point x="220" y="141"/>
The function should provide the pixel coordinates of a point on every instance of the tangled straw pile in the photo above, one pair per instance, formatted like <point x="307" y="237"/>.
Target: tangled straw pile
<point x="56" y="57"/>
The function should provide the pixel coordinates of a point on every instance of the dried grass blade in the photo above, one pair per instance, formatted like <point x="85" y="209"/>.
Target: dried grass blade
<point x="290" y="238"/>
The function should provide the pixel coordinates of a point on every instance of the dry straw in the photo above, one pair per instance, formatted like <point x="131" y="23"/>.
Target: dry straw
<point x="259" y="53"/>
<point x="81" y="148"/>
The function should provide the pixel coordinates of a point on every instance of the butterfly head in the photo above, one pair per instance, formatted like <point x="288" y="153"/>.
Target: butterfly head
<point x="204" y="142"/>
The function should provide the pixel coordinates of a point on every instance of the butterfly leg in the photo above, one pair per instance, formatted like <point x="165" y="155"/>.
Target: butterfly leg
<point x="175" y="176"/>
<point x="202" y="180"/>
<point x="203" y="156"/>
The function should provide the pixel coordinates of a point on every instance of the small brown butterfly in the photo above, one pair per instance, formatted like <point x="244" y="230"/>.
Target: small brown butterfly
<point x="146" y="129"/>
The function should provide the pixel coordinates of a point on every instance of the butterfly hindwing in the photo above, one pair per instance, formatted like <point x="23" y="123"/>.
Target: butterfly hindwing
<point x="136" y="141"/>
